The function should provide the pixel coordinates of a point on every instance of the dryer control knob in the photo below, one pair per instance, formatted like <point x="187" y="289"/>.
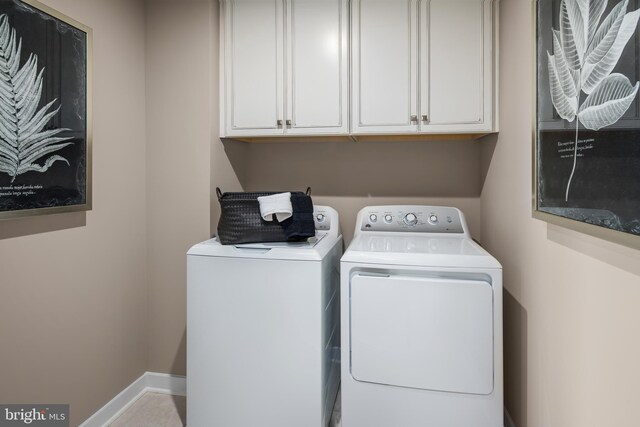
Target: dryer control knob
<point x="433" y="218"/>
<point x="373" y="217"/>
<point x="410" y="219"/>
<point x="320" y="217"/>
<point x="388" y="218"/>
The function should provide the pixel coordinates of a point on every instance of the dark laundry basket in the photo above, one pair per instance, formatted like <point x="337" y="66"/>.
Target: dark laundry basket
<point x="241" y="222"/>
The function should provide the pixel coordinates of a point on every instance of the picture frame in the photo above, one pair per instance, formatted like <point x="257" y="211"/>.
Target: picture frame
<point x="46" y="128"/>
<point x="586" y="120"/>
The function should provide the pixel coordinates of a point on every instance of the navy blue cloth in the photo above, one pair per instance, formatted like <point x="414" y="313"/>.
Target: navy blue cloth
<point x="300" y="226"/>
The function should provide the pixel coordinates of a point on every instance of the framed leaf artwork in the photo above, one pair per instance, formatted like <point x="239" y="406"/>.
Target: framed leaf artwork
<point x="587" y="117"/>
<point x="45" y="111"/>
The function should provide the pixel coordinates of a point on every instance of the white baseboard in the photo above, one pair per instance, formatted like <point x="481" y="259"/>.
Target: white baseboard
<point x="508" y="422"/>
<point x="149" y="381"/>
<point x="160" y="383"/>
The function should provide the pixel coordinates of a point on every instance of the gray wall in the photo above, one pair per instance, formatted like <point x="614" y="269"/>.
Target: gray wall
<point x="73" y="293"/>
<point x="571" y="317"/>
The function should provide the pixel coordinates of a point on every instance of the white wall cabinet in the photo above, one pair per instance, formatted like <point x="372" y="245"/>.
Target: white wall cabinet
<point x="285" y="67"/>
<point x="423" y="66"/>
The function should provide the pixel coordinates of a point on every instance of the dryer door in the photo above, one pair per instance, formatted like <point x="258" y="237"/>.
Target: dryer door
<point x="421" y="332"/>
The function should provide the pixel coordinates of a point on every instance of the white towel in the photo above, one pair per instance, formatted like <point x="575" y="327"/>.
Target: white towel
<point x="276" y="204"/>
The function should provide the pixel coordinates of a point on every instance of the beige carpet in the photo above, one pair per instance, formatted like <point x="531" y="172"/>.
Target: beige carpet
<point x="154" y="410"/>
<point x="165" y="410"/>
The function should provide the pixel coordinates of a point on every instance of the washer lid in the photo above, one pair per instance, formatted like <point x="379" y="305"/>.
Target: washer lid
<point x="313" y="250"/>
<point x="418" y="250"/>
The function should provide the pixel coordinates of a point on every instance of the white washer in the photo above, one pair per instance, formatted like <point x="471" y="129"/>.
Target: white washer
<point x="421" y="322"/>
<point x="263" y="330"/>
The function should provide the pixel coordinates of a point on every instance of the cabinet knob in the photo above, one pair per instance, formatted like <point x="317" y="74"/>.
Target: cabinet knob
<point x="279" y="123"/>
<point x="425" y="118"/>
<point x="414" y="118"/>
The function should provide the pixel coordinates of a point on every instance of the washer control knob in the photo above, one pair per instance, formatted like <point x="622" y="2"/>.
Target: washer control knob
<point x="433" y="218"/>
<point x="410" y="219"/>
<point x="320" y="217"/>
<point x="388" y="218"/>
<point x="373" y="218"/>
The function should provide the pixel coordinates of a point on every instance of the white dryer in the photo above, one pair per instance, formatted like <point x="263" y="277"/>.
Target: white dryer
<point x="263" y="330"/>
<point x="421" y="307"/>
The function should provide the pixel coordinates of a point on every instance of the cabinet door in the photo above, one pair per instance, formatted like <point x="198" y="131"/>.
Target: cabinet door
<point x="253" y="75"/>
<point x="317" y="67"/>
<point x="384" y="66"/>
<point x="456" y="65"/>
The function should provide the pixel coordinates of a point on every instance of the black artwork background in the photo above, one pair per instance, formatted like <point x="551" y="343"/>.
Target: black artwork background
<point x="605" y="189"/>
<point x="607" y="177"/>
<point x="61" y="50"/>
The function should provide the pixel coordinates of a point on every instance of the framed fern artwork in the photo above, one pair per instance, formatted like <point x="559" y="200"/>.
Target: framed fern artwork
<point x="45" y="111"/>
<point x="587" y="125"/>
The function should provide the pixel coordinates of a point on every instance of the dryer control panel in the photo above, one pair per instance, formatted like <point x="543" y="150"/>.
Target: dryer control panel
<point x="412" y="219"/>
